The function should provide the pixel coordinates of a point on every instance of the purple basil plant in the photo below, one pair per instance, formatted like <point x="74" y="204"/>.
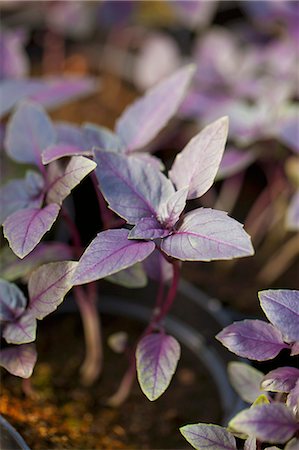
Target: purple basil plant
<point x="273" y="417"/>
<point x="150" y="207"/>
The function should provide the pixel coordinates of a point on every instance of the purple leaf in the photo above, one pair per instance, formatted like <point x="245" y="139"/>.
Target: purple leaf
<point x="24" y="229"/>
<point x="250" y="443"/>
<point x="132" y="277"/>
<point x="293" y="399"/>
<point x="133" y="189"/>
<point x="58" y="151"/>
<point x="157" y="267"/>
<point x="282" y="379"/>
<point x="157" y="356"/>
<point x="29" y="132"/>
<point x="146" y="158"/>
<point x="246" y="380"/>
<point x="206" y="235"/>
<point x="12" y="268"/>
<point x="143" y="120"/>
<point x="292" y="219"/>
<point x="295" y="349"/>
<point x="234" y="161"/>
<point x="281" y="307"/>
<point x="19" y="360"/>
<point x="101" y="137"/>
<point x="169" y="212"/>
<point x="197" y="164"/>
<point x="21" y="331"/>
<point x="21" y="194"/>
<point x="14" y="60"/>
<point x="273" y="423"/>
<point x="293" y="444"/>
<point x="12" y="301"/>
<point x="77" y="169"/>
<point x="208" y="437"/>
<point x="288" y="132"/>
<point x="48" y="285"/>
<point x="148" y="228"/>
<point x="110" y="252"/>
<point x="252" y="339"/>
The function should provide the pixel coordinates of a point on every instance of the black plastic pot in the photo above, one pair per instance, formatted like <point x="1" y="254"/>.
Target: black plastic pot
<point x="10" y="439"/>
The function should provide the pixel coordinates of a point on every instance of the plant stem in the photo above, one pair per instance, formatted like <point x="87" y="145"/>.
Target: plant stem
<point x="125" y="385"/>
<point x="170" y="295"/>
<point x="92" y="365"/>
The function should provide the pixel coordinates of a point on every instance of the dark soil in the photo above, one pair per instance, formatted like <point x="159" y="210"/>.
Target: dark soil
<point x="65" y="415"/>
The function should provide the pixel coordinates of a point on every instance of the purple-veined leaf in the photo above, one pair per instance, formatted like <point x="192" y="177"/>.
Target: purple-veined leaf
<point x="29" y="132"/>
<point x="143" y="120"/>
<point x="206" y="235"/>
<point x="133" y="189"/>
<point x="273" y="423"/>
<point x="77" y="169"/>
<point x="21" y="194"/>
<point x="146" y="158"/>
<point x="48" y="285"/>
<point x="208" y="437"/>
<point x="246" y="380"/>
<point x="252" y="339"/>
<point x="250" y="443"/>
<point x="295" y="349"/>
<point x="12" y="301"/>
<point x="282" y="379"/>
<point x="12" y="91"/>
<point x="281" y="307"/>
<point x="288" y="132"/>
<point x="132" y="277"/>
<point x="110" y="252"/>
<point x="19" y="360"/>
<point x="157" y="267"/>
<point x="234" y="161"/>
<point x="12" y="268"/>
<point x="293" y="399"/>
<point x="170" y="211"/>
<point x="20" y="331"/>
<point x="292" y="219"/>
<point x="24" y="229"/>
<point x="293" y="444"/>
<point x="101" y="137"/>
<point x="58" y="151"/>
<point x="157" y="356"/>
<point x="148" y="228"/>
<point x="197" y="164"/>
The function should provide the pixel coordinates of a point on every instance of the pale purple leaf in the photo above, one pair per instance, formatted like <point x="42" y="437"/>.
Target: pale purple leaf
<point x="234" y="161"/>
<point x="208" y="437"/>
<point x="273" y="423"/>
<point x="148" y="228"/>
<point x="110" y="252"/>
<point x="282" y="379"/>
<point x="143" y="120"/>
<point x="58" y="151"/>
<point x="21" y="194"/>
<point x="133" y="189"/>
<point x="29" y="132"/>
<point x="292" y="219"/>
<point x="19" y="360"/>
<point x="169" y="212"/>
<point x="12" y="268"/>
<point x="288" y="132"/>
<point x="281" y="307"/>
<point x="293" y="399"/>
<point x="48" y="285"/>
<point x="157" y="356"/>
<point x="77" y="169"/>
<point x="197" y="164"/>
<point x="58" y="91"/>
<point x="12" y="91"/>
<point x="206" y="235"/>
<point x="146" y="158"/>
<point x="246" y="380"/>
<point x="250" y="443"/>
<point x="12" y="301"/>
<point x="295" y="349"/>
<point x="157" y="267"/>
<point x="24" y="229"/>
<point x="132" y="277"/>
<point x="21" y="331"/>
<point x="293" y="444"/>
<point x="101" y="137"/>
<point x="252" y="339"/>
